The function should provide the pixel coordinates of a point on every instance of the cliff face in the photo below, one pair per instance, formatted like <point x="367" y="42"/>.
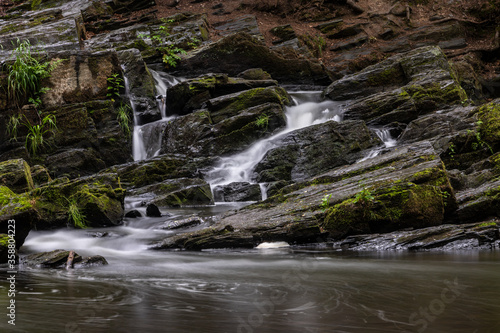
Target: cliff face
<point x="77" y="76"/>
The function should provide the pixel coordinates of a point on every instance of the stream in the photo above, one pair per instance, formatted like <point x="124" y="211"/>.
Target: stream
<point x="272" y="288"/>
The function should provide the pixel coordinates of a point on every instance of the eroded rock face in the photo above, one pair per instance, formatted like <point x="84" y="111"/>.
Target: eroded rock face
<point x="401" y="88"/>
<point x="16" y="175"/>
<point x="59" y="259"/>
<point x="407" y="187"/>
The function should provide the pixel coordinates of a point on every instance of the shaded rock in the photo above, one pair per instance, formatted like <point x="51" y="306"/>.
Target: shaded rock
<point x="438" y="32"/>
<point x="40" y="175"/>
<point x="409" y="186"/>
<point x="347" y="31"/>
<point x="428" y="83"/>
<point x="184" y="223"/>
<point x="5" y="255"/>
<point x="141" y="86"/>
<point x="75" y="162"/>
<point x="236" y="53"/>
<point x="133" y="214"/>
<point x="309" y="151"/>
<point x="328" y="27"/>
<point x="58" y="259"/>
<point x="246" y="23"/>
<point x="477" y="204"/>
<point x="16" y="175"/>
<point x="255" y="74"/>
<point x="350" y="43"/>
<point x="237" y="192"/>
<point x="152" y="210"/>
<point x="19" y="208"/>
<point x="197" y="135"/>
<point x="452" y="44"/>
<point x="283" y="32"/>
<point x="99" y="198"/>
<point x="444" y="237"/>
<point x="189" y="95"/>
<point x="179" y="192"/>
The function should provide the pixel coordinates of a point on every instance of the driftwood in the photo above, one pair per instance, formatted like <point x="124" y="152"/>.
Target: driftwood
<point x="71" y="257"/>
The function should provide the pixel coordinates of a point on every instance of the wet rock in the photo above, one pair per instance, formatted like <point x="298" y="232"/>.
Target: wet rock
<point x="99" y="198"/>
<point x="184" y="223"/>
<point x="40" y="175"/>
<point x="409" y="186"/>
<point x="16" y="175"/>
<point x="19" y="208"/>
<point x="179" y="192"/>
<point x="238" y="52"/>
<point x="193" y="94"/>
<point x="255" y="74"/>
<point x="347" y="31"/>
<point x="59" y="258"/>
<point x="429" y="83"/>
<point x="309" y="151"/>
<point x="284" y="33"/>
<point x="75" y="162"/>
<point x="197" y="135"/>
<point x="350" y="43"/>
<point x="133" y="214"/>
<point x="237" y="192"/>
<point x="152" y="210"/>
<point x="445" y="237"/>
<point x="5" y="256"/>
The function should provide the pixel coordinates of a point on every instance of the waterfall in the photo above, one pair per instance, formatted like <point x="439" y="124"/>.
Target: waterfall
<point x="309" y="110"/>
<point x="163" y="81"/>
<point x="385" y="136"/>
<point x="138" y="147"/>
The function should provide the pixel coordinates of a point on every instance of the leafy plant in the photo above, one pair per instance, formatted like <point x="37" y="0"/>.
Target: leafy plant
<point x="12" y="126"/>
<point x="37" y="133"/>
<point x="479" y="143"/>
<point x="325" y="202"/>
<point x="171" y="54"/>
<point x="364" y="196"/>
<point x="26" y="74"/>
<point x="123" y="117"/>
<point x="115" y="84"/>
<point x="75" y="215"/>
<point x="262" y="121"/>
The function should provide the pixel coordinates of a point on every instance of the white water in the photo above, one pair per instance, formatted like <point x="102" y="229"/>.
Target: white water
<point x="308" y="111"/>
<point x="385" y="136"/>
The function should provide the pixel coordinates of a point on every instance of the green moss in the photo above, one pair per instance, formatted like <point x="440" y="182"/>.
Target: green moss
<point x="450" y="94"/>
<point x="387" y="76"/>
<point x="489" y="125"/>
<point x="486" y="224"/>
<point x="12" y="203"/>
<point x="4" y="240"/>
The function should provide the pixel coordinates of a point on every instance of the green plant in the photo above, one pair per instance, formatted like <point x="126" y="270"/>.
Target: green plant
<point x="262" y="121"/>
<point x="115" y="84"/>
<point x="325" y="202"/>
<point x="364" y="196"/>
<point x="479" y="143"/>
<point x="38" y="133"/>
<point x="452" y="151"/>
<point x="12" y="126"/>
<point x="26" y="74"/>
<point x="75" y="215"/>
<point x="123" y="117"/>
<point x="171" y="54"/>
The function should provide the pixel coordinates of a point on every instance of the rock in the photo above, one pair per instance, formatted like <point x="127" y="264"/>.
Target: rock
<point x="75" y="162"/>
<point x="5" y="255"/>
<point x="179" y="192"/>
<point x="283" y="32"/>
<point x="329" y="26"/>
<point x="133" y="214"/>
<point x="347" y="31"/>
<point x="58" y="259"/>
<point x="236" y="53"/>
<point x="232" y="126"/>
<point x="152" y="210"/>
<point x="409" y="186"/>
<point x="350" y="43"/>
<point x="427" y="79"/>
<point x="80" y="76"/>
<point x="98" y="198"/>
<point x="237" y="192"/>
<point x="190" y="95"/>
<point x="478" y="204"/>
<point x="141" y="86"/>
<point x="255" y="74"/>
<point x="453" y="44"/>
<point x="184" y="223"/>
<point x="40" y="175"/>
<point x="16" y="175"/>
<point x="315" y="149"/>
<point x="447" y="237"/>
<point x="19" y="208"/>
<point x="246" y="23"/>
<point x="438" y="32"/>
<point x="398" y="9"/>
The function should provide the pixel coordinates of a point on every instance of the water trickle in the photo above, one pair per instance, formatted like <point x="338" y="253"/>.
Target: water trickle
<point x="310" y="110"/>
<point x="386" y="137"/>
<point x="163" y="81"/>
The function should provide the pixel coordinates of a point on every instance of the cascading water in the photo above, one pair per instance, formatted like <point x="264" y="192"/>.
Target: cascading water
<point x="146" y="139"/>
<point x="309" y="110"/>
<point x="385" y="136"/>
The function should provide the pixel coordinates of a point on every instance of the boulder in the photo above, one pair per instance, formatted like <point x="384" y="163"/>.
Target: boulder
<point x="315" y="149"/>
<point x="407" y="187"/>
<point x="178" y="192"/>
<point x="400" y="88"/>
<point x="236" y="53"/>
<point x="99" y="199"/>
<point x="193" y="94"/>
<point x="237" y="192"/>
<point x="184" y="223"/>
<point x="16" y="175"/>
<point x="152" y="210"/>
<point x="59" y="258"/>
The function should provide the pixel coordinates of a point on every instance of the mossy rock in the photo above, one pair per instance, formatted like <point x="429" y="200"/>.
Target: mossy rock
<point x="387" y="209"/>
<point x="99" y="198"/>
<point x="16" y="174"/>
<point x="489" y="125"/>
